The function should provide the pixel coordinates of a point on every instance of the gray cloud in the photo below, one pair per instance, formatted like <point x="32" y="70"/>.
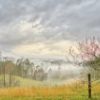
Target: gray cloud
<point x="58" y="20"/>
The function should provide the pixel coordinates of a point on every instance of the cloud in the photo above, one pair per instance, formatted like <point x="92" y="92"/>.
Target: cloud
<point x="25" y="24"/>
<point x="56" y="49"/>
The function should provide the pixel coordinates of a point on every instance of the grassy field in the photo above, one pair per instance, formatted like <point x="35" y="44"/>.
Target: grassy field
<point x="75" y="91"/>
<point x="35" y="90"/>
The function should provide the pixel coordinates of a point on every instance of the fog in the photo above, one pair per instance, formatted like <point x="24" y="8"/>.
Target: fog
<point x="58" y="70"/>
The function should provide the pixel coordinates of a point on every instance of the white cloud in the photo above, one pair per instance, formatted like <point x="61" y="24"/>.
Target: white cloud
<point x="58" y="48"/>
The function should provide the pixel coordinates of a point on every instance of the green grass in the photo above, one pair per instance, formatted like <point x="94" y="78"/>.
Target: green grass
<point x="50" y="98"/>
<point x="25" y="82"/>
<point x="32" y="98"/>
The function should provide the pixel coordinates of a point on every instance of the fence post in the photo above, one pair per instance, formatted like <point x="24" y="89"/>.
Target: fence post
<point x="89" y="86"/>
<point x="10" y="79"/>
<point x="4" y="79"/>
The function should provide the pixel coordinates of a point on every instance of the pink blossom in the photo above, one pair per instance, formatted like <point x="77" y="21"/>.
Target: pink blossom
<point x="89" y="49"/>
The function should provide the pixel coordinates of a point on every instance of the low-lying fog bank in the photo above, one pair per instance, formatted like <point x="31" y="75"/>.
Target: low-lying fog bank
<point x="64" y="72"/>
<point x="59" y="73"/>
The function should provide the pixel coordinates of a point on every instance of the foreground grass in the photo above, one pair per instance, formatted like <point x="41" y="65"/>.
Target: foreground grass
<point x="75" y="91"/>
<point x="49" y="98"/>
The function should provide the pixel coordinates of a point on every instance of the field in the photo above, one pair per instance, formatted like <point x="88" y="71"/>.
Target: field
<point x="74" y="91"/>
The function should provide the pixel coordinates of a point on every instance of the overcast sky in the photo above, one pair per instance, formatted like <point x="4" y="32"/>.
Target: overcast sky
<point x="46" y="27"/>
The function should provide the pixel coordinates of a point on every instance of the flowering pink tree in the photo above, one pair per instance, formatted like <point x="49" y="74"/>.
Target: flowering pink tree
<point x="90" y="52"/>
<point x="90" y="49"/>
<point x="88" y="55"/>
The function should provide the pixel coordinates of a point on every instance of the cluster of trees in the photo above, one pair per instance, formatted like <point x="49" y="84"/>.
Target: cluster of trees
<point x="7" y="73"/>
<point x="24" y="68"/>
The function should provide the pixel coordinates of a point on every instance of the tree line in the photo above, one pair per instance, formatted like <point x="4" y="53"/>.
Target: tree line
<point x="24" y="68"/>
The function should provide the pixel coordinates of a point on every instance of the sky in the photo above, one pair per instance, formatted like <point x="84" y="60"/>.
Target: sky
<point x="46" y="27"/>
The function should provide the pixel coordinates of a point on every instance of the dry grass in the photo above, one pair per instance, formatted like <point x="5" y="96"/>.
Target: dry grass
<point x="75" y="90"/>
<point x="43" y="91"/>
